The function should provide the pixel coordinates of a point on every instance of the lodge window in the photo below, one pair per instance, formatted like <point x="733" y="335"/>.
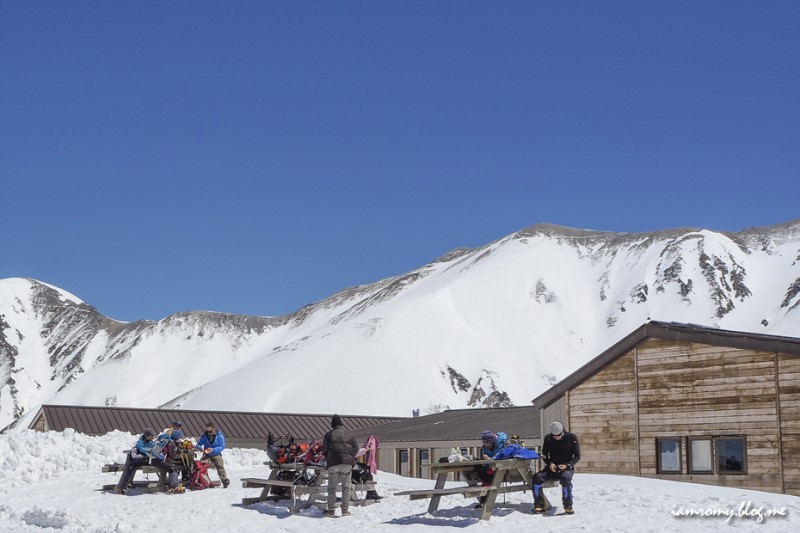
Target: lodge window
<point x="731" y="455"/>
<point x="424" y="464"/>
<point x="701" y="460"/>
<point x="402" y="461"/>
<point x="705" y="455"/>
<point x="668" y="455"/>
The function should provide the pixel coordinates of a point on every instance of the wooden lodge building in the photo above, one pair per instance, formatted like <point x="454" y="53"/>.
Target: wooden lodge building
<point x="687" y="403"/>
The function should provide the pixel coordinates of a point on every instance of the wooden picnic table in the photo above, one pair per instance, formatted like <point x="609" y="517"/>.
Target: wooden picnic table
<point x="147" y="485"/>
<point x="510" y="475"/>
<point x="314" y="491"/>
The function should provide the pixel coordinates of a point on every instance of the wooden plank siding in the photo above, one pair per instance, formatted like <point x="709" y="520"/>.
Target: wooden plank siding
<point x="664" y="388"/>
<point x="697" y="390"/>
<point x="555" y="411"/>
<point x="602" y="413"/>
<point x="681" y="381"/>
<point x="789" y="402"/>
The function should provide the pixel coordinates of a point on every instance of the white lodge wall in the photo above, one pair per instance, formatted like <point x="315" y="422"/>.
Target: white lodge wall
<point x="789" y="387"/>
<point x="697" y="390"/>
<point x="602" y="413"/>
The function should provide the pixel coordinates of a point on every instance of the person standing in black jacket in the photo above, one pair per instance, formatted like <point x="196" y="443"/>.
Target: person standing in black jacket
<point x="340" y="449"/>
<point x="560" y="452"/>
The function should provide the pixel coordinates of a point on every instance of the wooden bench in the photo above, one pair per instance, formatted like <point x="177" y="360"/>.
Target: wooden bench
<point x="510" y="475"/>
<point x="302" y="495"/>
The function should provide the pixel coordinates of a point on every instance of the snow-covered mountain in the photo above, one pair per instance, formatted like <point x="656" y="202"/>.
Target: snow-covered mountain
<point x="496" y="325"/>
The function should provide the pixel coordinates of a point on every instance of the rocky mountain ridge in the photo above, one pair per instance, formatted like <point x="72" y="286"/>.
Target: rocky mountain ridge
<point x="490" y="326"/>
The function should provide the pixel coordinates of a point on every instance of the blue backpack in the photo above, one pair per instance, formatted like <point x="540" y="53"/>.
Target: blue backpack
<point x="502" y="440"/>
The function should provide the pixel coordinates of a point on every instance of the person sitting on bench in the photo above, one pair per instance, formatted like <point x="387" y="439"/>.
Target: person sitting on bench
<point x="146" y="452"/>
<point x="560" y="452"/>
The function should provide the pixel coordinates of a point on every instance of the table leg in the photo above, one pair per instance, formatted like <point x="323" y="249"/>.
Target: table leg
<point x="491" y="496"/>
<point x="273" y="474"/>
<point x="440" y="479"/>
<point x="321" y="493"/>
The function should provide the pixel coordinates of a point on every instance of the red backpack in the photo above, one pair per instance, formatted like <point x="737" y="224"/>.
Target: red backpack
<point x="314" y="454"/>
<point x="200" y="479"/>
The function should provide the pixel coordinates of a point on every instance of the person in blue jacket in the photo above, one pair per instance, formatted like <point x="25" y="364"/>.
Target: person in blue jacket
<point x="211" y="444"/>
<point x="491" y="444"/>
<point x="147" y="451"/>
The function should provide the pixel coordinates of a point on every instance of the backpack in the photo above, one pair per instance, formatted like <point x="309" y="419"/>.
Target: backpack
<point x="516" y="439"/>
<point x="286" y="450"/>
<point x="502" y="440"/>
<point x="314" y="454"/>
<point x="297" y="477"/>
<point x="360" y="474"/>
<point x="283" y="449"/>
<point x="200" y="479"/>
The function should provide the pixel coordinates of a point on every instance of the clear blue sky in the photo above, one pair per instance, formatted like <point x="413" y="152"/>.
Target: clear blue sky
<point x="255" y="156"/>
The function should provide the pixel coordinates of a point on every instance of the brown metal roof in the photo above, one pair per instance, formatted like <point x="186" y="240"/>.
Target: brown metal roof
<point x="235" y="425"/>
<point x="678" y="332"/>
<point x="460" y="425"/>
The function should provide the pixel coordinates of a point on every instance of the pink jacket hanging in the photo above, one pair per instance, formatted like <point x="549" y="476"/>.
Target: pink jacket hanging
<point x="371" y="446"/>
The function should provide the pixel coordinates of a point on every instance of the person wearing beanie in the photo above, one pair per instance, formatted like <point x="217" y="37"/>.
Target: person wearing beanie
<point x="177" y="431"/>
<point x="492" y="443"/>
<point x="340" y="449"/>
<point x="560" y="452"/>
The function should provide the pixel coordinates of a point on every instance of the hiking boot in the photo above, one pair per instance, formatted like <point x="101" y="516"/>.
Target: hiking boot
<point x="345" y="512"/>
<point x="568" y="510"/>
<point x="177" y="489"/>
<point x="538" y="509"/>
<point x="225" y="483"/>
<point x="330" y="512"/>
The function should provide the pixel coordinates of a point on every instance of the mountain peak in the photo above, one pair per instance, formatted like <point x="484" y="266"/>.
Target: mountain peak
<point x="494" y="325"/>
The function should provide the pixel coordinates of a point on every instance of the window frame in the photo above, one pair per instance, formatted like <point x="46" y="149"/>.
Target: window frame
<point x="400" y="453"/>
<point x="659" y="466"/>
<point x="729" y="438"/>
<point x="424" y="465"/>
<point x="689" y="456"/>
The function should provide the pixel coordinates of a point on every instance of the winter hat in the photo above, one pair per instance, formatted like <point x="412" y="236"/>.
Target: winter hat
<point x="488" y="436"/>
<point x="148" y="432"/>
<point x="556" y="428"/>
<point x="177" y="423"/>
<point x="336" y="420"/>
